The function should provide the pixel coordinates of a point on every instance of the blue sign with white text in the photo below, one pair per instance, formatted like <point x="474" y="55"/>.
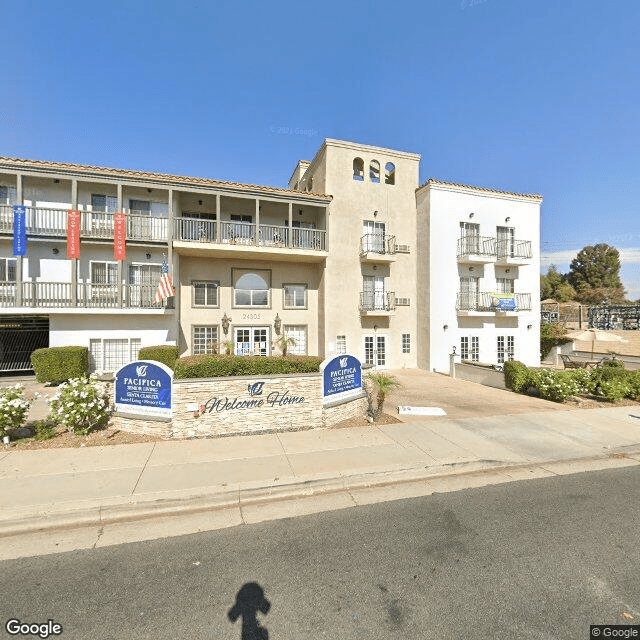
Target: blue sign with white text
<point x="144" y="388"/>
<point x="341" y="377"/>
<point x="19" y="230"/>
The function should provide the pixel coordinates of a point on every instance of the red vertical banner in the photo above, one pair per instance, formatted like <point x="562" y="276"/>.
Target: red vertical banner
<point x="119" y="236"/>
<point x="73" y="233"/>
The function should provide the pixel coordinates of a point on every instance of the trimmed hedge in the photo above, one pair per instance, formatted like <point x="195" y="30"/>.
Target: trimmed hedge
<point x="216" y="366"/>
<point x="58" y="364"/>
<point x="516" y="376"/>
<point x="164" y="353"/>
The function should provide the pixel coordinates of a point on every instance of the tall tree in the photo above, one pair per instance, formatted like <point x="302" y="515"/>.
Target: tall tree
<point x="554" y="285"/>
<point x="595" y="274"/>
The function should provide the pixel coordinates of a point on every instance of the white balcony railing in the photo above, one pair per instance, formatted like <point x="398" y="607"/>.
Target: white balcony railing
<point x="244" y="233"/>
<point x="42" y="221"/>
<point x="60" y="294"/>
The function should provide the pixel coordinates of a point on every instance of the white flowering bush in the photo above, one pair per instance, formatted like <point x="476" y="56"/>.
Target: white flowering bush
<point x="13" y="408"/>
<point x="81" y="404"/>
<point x="556" y="385"/>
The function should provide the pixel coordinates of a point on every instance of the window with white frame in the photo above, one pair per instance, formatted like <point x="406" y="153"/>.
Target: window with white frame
<point x="506" y="348"/>
<point x="205" y="294"/>
<point x="205" y="340"/>
<point x="104" y="272"/>
<point x="251" y="288"/>
<point x="406" y="343"/>
<point x="470" y="348"/>
<point x="505" y="285"/>
<point x="295" y="296"/>
<point x="298" y="333"/>
<point x="341" y="344"/>
<point x="109" y="354"/>
<point x="7" y="269"/>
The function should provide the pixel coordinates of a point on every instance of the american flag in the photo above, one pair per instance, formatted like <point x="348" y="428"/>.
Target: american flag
<point x="165" y="288"/>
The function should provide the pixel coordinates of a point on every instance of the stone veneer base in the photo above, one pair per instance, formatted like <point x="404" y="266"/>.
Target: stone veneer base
<point x="284" y="403"/>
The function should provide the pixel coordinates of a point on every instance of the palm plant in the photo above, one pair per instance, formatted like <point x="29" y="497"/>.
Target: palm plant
<point x="283" y="343"/>
<point x="382" y="384"/>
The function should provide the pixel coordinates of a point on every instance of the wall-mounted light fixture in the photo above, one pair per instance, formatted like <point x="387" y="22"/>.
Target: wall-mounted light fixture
<point x="226" y="321"/>
<point x="472" y="214"/>
<point x="200" y="202"/>
<point x="375" y="267"/>
<point x="529" y="326"/>
<point x="375" y="214"/>
<point x="277" y="324"/>
<point x="454" y="350"/>
<point x="507" y="219"/>
<point x="375" y="327"/>
<point x="299" y="212"/>
<point x="470" y="268"/>
<point x="148" y="256"/>
<point x="56" y="251"/>
<point x="56" y="181"/>
<point x="148" y="190"/>
<point x="445" y="327"/>
<point x="507" y="270"/>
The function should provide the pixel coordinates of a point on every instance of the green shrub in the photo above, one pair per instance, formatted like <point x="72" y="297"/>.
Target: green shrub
<point x="613" y="364"/>
<point x="45" y="429"/>
<point x="606" y="374"/>
<point x="81" y="404"/>
<point x="215" y="366"/>
<point x="582" y="377"/>
<point x="615" y="389"/>
<point x="166" y="354"/>
<point x="555" y="385"/>
<point x="551" y="335"/>
<point x="57" y="364"/>
<point x="633" y="379"/>
<point x="516" y="376"/>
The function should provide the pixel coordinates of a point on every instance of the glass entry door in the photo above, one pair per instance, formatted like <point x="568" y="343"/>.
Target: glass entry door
<point x="375" y="351"/>
<point x="251" y="341"/>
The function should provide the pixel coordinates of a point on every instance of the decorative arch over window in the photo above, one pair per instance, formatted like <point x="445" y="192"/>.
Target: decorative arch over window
<point x="389" y="173"/>
<point x="374" y="171"/>
<point x="358" y="169"/>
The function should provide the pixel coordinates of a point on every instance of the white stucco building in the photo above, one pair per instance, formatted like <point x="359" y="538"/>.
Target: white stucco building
<point x="353" y="256"/>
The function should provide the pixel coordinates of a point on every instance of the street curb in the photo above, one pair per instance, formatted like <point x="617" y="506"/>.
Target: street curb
<point x="127" y="511"/>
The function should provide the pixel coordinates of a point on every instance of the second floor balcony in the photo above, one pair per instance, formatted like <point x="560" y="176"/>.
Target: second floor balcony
<point x="377" y="303"/>
<point x="248" y="238"/>
<point x="84" y="295"/>
<point x="491" y="303"/>
<point x="52" y="223"/>
<point x="484" y="249"/>
<point x="377" y="247"/>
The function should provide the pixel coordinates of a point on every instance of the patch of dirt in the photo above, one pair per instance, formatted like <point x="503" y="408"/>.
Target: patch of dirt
<point x="63" y="439"/>
<point x="361" y="421"/>
<point x="597" y="402"/>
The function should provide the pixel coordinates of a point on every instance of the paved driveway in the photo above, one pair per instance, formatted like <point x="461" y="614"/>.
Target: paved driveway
<point x="459" y="398"/>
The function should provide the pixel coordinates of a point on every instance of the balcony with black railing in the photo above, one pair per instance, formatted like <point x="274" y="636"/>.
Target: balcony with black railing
<point x="377" y="247"/>
<point x="377" y="303"/>
<point x="491" y="303"/>
<point x="514" y="252"/>
<point x="476" y="249"/>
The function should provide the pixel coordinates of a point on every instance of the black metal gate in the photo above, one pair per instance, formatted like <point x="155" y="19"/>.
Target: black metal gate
<point x="20" y="336"/>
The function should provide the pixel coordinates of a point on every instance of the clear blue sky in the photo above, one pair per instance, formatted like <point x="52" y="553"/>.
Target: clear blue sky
<point x="526" y="95"/>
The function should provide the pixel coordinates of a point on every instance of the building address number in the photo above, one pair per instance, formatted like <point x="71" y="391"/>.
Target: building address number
<point x="251" y="316"/>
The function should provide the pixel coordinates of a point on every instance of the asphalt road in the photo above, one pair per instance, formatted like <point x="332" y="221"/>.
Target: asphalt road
<point x="532" y="559"/>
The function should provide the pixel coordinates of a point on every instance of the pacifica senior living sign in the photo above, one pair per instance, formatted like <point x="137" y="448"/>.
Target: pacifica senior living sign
<point x="143" y="388"/>
<point x="341" y="378"/>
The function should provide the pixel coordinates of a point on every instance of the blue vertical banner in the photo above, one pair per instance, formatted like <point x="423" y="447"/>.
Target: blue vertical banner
<point x="19" y="230"/>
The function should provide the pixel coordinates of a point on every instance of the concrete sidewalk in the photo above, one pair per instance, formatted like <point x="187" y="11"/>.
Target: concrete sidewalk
<point x="57" y="499"/>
